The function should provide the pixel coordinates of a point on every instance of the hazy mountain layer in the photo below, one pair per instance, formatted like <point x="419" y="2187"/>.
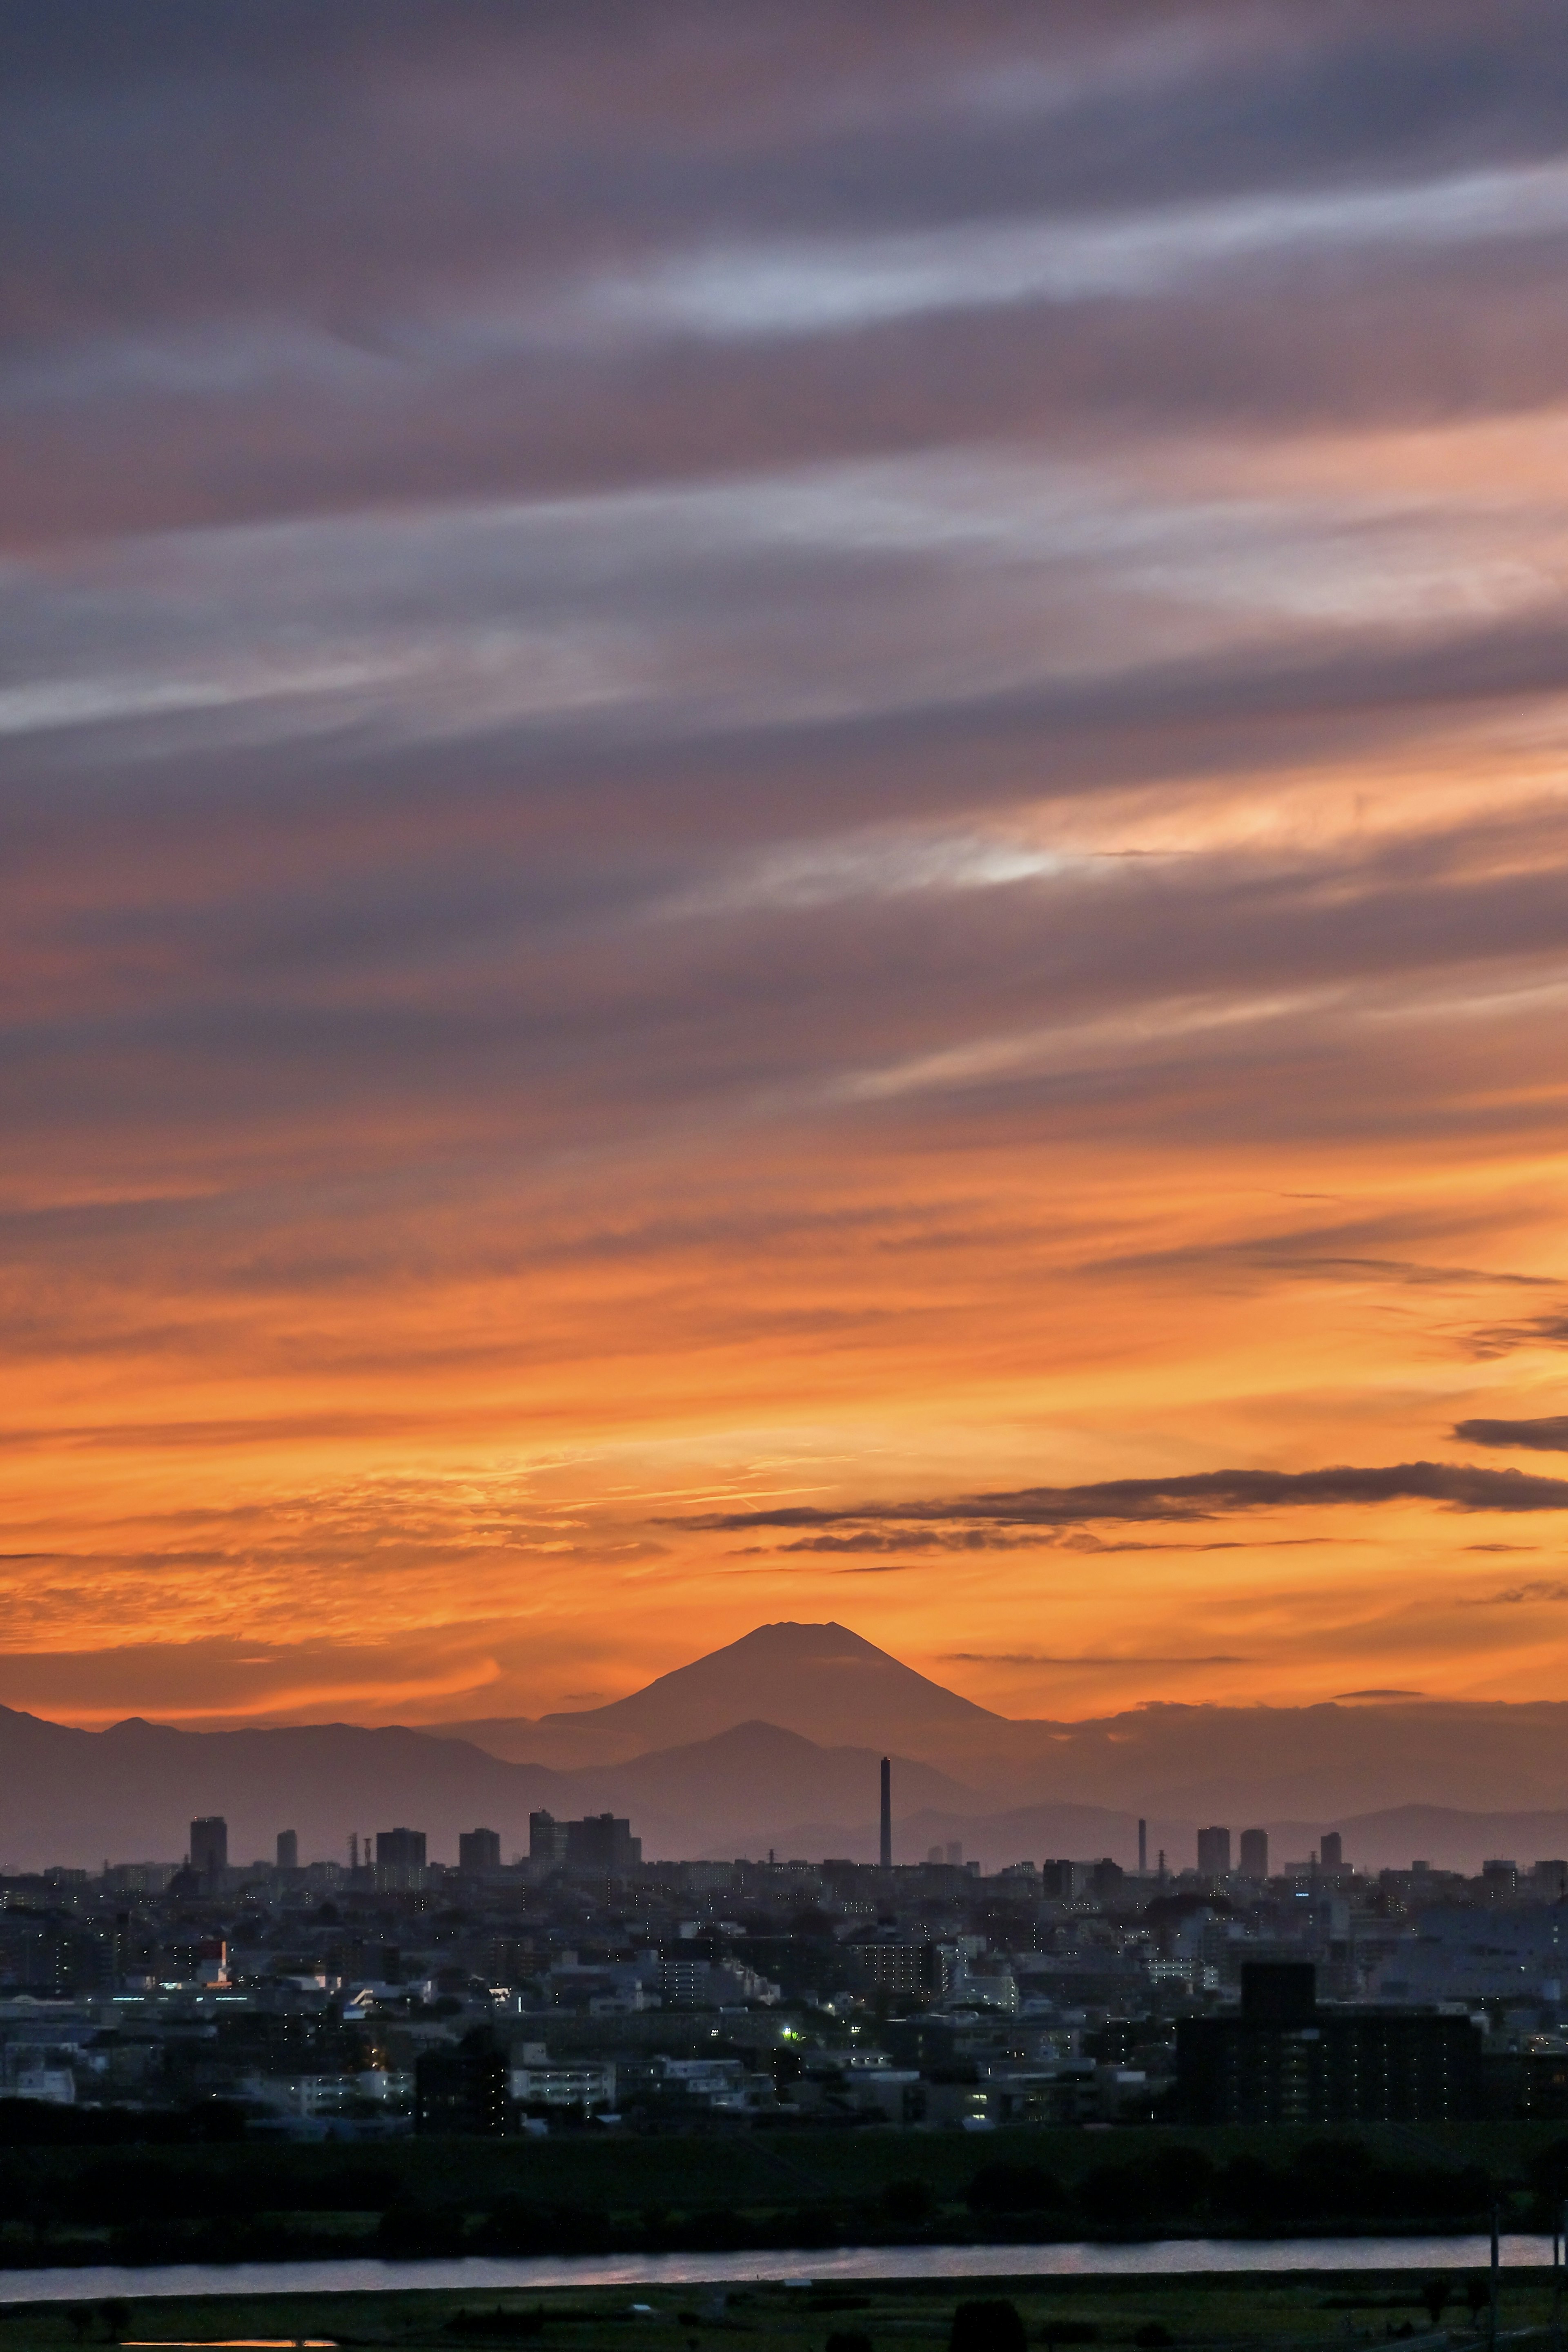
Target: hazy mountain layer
<point x="822" y="1681"/>
<point x="721" y="1756"/>
<point x="1187" y="1763"/>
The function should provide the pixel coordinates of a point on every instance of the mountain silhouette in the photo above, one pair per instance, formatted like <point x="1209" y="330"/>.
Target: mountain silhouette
<point x="130" y="1793"/>
<point x="773" y="1741"/>
<point x="822" y="1681"/>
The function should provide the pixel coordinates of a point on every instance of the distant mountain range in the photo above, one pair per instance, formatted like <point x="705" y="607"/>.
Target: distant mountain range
<point x="772" y="1743"/>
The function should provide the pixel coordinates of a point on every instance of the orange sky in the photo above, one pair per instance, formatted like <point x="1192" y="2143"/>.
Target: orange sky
<point x="821" y="781"/>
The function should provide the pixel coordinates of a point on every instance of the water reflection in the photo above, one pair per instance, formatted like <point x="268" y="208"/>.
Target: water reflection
<point x="1167" y="2256"/>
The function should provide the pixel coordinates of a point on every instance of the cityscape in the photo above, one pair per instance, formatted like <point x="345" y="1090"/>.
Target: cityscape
<point x="573" y="1983"/>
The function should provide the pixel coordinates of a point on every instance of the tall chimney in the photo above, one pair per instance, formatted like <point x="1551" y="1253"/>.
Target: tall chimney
<point x="1142" y="1848"/>
<point x="887" y="1813"/>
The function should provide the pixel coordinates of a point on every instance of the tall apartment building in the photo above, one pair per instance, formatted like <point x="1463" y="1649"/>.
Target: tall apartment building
<point x="461" y="2093"/>
<point x="479" y="1850"/>
<point x="1254" y="1855"/>
<point x="209" y="1845"/>
<point x="399" y="1861"/>
<point x="1283" y="2060"/>
<point x="1214" y="1853"/>
<point x="600" y="1843"/>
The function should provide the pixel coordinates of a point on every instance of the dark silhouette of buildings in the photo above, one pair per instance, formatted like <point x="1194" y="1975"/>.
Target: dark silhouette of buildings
<point x="546" y="1839"/>
<point x="288" y="1850"/>
<point x="911" y="1971"/>
<point x="600" y="1843"/>
<point x="1332" y="1852"/>
<point x="399" y="1859"/>
<point x="1214" y="1853"/>
<point x="886" y="1847"/>
<point x="1254" y="1855"/>
<point x="209" y="1845"/>
<point x="479" y="1850"/>
<point x="461" y="2092"/>
<point x="1283" y="2060"/>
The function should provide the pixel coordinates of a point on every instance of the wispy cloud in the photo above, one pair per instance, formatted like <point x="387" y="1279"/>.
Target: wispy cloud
<point x="1546" y="1434"/>
<point x="1195" y="1494"/>
<point x="724" y="761"/>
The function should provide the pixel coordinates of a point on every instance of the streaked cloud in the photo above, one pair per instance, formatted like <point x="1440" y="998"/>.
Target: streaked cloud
<point x="765" y="771"/>
<point x="1548" y="1433"/>
<point x="1199" y="1495"/>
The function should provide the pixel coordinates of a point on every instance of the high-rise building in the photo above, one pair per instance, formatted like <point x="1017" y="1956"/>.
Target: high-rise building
<point x="885" y="1856"/>
<point x="546" y="1839"/>
<point x="1142" y="1848"/>
<point x="1282" y="2060"/>
<point x="479" y="1850"/>
<point x="601" y="1843"/>
<point x="1214" y="1853"/>
<point x="399" y="1861"/>
<point x="461" y="2092"/>
<point x="288" y="1849"/>
<point x="209" y="1845"/>
<point x="1331" y="1852"/>
<point x="1254" y="1855"/>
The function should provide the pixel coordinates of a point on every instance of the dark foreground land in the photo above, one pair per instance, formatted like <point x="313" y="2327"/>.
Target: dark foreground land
<point x="1324" y="2313"/>
<point x="591" y="2193"/>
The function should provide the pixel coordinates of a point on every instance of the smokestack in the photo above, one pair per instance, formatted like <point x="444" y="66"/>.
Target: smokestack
<point x="1142" y="1849"/>
<point x="887" y="1813"/>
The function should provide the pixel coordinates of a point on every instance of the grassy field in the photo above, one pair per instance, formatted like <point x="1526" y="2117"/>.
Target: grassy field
<point x="588" y="2192"/>
<point x="1242" y="2313"/>
<point x="604" y="2172"/>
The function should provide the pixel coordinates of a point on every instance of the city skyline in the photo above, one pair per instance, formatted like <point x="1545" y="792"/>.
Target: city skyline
<point x="785" y="841"/>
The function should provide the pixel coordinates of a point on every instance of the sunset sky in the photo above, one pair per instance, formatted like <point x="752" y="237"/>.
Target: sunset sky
<point x="784" y="837"/>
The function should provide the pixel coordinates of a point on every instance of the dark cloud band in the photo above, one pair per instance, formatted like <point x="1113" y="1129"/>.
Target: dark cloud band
<point x="1200" y="1495"/>
<point x="1547" y="1435"/>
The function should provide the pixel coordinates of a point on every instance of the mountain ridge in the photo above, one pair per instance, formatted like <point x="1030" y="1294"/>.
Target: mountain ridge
<point x="739" y="1777"/>
<point x="837" y="1678"/>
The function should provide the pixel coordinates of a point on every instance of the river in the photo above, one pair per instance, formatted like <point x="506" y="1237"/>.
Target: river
<point x="482" y="2275"/>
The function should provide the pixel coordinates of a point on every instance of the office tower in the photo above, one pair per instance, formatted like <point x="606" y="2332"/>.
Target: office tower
<point x="546" y="1839"/>
<point x="1254" y="1855"/>
<point x="601" y="1843"/>
<point x="1214" y="1853"/>
<point x="887" y="1853"/>
<point x="1331" y="1850"/>
<point x="955" y="1850"/>
<point x="1142" y="1849"/>
<point x="934" y="1853"/>
<point x="209" y="1845"/>
<point x="399" y="1861"/>
<point x="288" y="1849"/>
<point x="479" y="1850"/>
